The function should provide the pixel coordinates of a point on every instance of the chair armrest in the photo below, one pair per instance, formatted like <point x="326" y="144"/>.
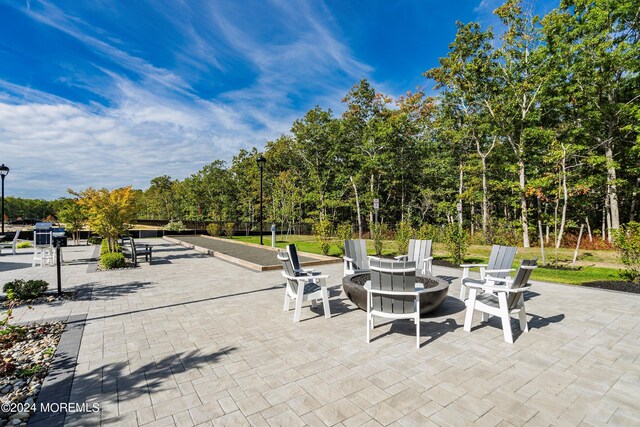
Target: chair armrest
<point x="475" y="284"/>
<point x="346" y="258"/>
<point x="310" y="277"/>
<point x="473" y="265"/>
<point x="401" y="257"/>
<point x="504" y="270"/>
<point x="498" y="279"/>
<point x="418" y="291"/>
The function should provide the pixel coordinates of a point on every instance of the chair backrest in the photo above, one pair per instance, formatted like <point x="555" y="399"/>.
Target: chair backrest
<point x="521" y="279"/>
<point x="419" y="250"/>
<point x="293" y="256"/>
<point x="501" y="258"/>
<point x="287" y="266"/>
<point x="357" y="251"/>
<point x="398" y="276"/>
<point x="289" y="272"/>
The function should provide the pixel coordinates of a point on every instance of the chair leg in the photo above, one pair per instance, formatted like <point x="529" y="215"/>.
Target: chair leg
<point x="418" y="326"/>
<point x="369" y="326"/>
<point x="522" y="315"/>
<point x="287" y="301"/>
<point x="471" y="306"/>
<point x="296" y="314"/>
<point x="325" y="302"/>
<point x="485" y="317"/>
<point x="506" y="319"/>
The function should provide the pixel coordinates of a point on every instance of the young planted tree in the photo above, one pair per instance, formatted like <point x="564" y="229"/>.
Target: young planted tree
<point x="73" y="215"/>
<point x="108" y="212"/>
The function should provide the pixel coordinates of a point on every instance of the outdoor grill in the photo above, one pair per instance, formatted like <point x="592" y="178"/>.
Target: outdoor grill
<point x="44" y="234"/>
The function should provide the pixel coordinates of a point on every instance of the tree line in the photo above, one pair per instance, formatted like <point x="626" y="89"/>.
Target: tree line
<point x="533" y="130"/>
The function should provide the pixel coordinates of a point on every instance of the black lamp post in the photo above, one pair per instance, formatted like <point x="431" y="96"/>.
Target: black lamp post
<point x="4" y="171"/>
<point x="261" y="161"/>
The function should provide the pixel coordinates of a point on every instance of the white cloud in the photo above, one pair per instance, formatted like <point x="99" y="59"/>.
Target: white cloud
<point x="155" y="122"/>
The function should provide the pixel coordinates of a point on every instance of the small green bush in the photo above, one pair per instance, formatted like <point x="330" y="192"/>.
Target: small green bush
<point x="174" y="226"/>
<point x="627" y="240"/>
<point x="378" y="233"/>
<point x="112" y="260"/>
<point x="457" y="241"/>
<point x="23" y="245"/>
<point x="104" y="247"/>
<point x="404" y="232"/>
<point x="94" y="240"/>
<point x="20" y="290"/>
<point x="214" y="229"/>
<point x="228" y="228"/>
<point x="429" y="232"/>
<point x="322" y="229"/>
<point x="343" y="232"/>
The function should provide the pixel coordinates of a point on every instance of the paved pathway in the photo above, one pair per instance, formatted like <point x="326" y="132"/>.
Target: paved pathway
<point x="193" y="340"/>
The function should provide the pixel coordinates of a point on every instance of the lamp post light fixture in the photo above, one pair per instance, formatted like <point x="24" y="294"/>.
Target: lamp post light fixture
<point x="4" y="171"/>
<point x="261" y="161"/>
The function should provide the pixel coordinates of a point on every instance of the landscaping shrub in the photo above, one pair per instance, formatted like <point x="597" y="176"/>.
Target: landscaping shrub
<point x="322" y="229"/>
<point x="404" y="232"/>
<point x="176" y="226"/>
<point x="214" y="229"/>
<point x="104" y="247"/>
<point x="228" y="228"/>
<point x="378" y="233"/>
<point x="627" y="240"/>
<point x="94" y="240"/>
<point x="23" y="245"/>
<point x="112" y="260"/>
<point x="343" y="232"/>
<point x="19" y="289"/>
<point x="456" y="241"/>
<point x="429" y="232"/>
<point x="504" y="232"/>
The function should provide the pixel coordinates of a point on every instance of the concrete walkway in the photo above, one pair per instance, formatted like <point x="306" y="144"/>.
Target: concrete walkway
<point x="192" y="340"/>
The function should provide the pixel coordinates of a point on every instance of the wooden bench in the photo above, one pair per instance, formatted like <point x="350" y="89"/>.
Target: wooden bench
<point x="133" y="251"/>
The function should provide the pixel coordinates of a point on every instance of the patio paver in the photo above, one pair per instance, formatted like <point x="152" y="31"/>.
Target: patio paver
<point x="195" y="340"/>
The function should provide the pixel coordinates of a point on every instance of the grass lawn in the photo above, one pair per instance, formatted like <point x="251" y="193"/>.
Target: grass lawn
<point x="591" y="265"/>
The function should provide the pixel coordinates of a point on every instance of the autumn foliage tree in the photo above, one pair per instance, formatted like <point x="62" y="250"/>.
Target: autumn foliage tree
<point x="109" y="212"/>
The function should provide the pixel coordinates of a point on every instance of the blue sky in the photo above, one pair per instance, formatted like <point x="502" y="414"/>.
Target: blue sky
<point x="107" y="93"/>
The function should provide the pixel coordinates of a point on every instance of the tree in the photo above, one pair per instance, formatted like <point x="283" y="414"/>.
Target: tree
<point x="108" y="212"/>
<point x="73" y="216"/>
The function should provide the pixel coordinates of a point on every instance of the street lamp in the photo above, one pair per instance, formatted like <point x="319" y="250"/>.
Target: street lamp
<point x="4" y="171"/>
<point x="261" y="161"/>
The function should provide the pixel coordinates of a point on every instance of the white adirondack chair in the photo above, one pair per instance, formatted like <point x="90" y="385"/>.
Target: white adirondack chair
<point x="499" y="266"/>
<point x="10" y="245"/>
<point x="301" y="288"/>
<point x="292" y="251"/>
<point x="420" y="253"/>
<point x="500" y="300"/>
<point x="355" y="257"/>
<point x="392" y="293"/>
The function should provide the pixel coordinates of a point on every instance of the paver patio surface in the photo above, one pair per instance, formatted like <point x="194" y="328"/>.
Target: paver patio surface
<point x="192" y="340"/>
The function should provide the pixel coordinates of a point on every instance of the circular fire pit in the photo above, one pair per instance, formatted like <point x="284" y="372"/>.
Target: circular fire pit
<point x="353" y="286"/>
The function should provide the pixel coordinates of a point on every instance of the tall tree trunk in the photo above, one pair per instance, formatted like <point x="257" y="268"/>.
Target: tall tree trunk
<point x="613" y="188"/>
<point x="634" y="201"/>
<point x="523" y="206"/>
<point x="355" y="189"/>
<point x="460" y="190"/>
<point x="588" y="229"/>
<point x="565" y="195"/>
<point x="607" y="204"/>
<point x="473" y="211"/>
<point x="485" y="200"/>
<point x="371" y="190"/>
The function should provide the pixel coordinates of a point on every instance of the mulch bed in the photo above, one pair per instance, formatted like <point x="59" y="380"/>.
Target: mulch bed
<point x="26" y="353"/>
<point x="361" y="279"/>
<point x="615" y="285"/>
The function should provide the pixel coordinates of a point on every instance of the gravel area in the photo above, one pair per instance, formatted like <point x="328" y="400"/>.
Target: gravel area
<point x="46" y="298"/>
<point x="25" y="358"/>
